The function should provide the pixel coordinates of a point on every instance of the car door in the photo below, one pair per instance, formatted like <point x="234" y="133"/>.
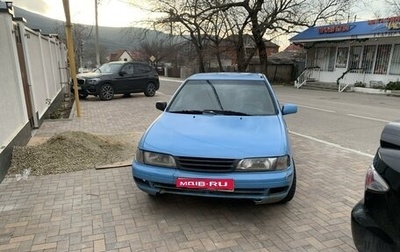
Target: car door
<point x="124" y="79"/>
<point x="140" y="77"/>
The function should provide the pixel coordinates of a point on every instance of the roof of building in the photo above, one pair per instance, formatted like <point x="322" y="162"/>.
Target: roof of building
<point x="383" y="27"/>
<point x="116" y="55"/>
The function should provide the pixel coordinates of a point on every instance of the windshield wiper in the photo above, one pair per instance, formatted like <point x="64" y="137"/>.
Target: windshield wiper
<point x="187" y="112"/>
<point x="224" y="112"/>
<point x="210" y="111"/>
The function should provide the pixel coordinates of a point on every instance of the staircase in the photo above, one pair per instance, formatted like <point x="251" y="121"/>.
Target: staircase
<point x="316" y="85"/>
<point x="306" y="81"/>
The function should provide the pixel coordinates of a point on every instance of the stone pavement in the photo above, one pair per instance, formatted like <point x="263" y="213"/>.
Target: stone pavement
<point x="102" y="210"/>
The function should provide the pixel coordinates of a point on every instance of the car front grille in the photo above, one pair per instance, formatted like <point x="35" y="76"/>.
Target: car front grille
<point x="205" y="164"/>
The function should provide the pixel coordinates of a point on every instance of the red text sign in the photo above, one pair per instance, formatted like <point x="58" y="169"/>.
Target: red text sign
<point x="207" y="184"/>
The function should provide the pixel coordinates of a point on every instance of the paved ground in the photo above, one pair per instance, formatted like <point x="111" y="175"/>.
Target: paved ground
<point x="102" y="210"/>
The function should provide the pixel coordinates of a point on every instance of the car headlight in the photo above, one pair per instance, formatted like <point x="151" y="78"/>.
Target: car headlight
<point x="153" y="158"/>
<point x="93" y="81"/>
<point x="264" y="164"/>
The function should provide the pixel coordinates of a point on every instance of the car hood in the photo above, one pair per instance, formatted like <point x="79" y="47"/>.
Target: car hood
<point x="92" y="75"/>
<point x="216" y="136"/>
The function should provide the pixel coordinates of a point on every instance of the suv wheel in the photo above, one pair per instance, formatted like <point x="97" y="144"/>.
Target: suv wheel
<point x="106" y="92"/>
<point x="150" y="90"/>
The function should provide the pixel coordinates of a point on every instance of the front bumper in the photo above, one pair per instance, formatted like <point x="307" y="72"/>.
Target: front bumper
<point x="261" y="187"/>
<point x="86" y="89"/>
<point x="367" y="235"/>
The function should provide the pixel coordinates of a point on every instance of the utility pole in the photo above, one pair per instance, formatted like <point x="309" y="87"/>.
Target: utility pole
<point x="97" y="35"/>
<point x="71" y="55"/>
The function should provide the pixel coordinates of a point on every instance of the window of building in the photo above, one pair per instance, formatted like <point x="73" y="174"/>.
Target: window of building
<point x="368" y="58"/>
<point x="325" y="58"/>
<point x="341" y="58"/>
<point x="382" y="59"/>
<point x="355" y="57"/>
<point x="395" y="63"/>
<point x="310" y="60"/>
<point x="320" y="58"/>
<point x="331" y="62"/>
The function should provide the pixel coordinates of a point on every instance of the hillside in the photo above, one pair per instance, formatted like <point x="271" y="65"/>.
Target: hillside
<point x="110" y="38"/>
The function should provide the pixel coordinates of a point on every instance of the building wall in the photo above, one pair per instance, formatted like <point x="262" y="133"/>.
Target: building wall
<point x="329" y="73"/>
<point x="125" y="56"/>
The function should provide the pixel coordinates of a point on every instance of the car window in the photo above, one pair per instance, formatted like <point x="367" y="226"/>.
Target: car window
<point x="109" y="68"/>
<point x="128" y="68"/>
<point x="249" y="97"/>
<point x="141" y="69"/>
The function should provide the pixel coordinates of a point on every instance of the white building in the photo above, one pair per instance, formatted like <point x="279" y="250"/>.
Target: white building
<point x="365" y="52"/>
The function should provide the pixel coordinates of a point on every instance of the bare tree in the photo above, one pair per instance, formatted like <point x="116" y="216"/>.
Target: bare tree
<point x="286" y="16"/>
<point x="83" y="43"/>
<point x="200" y="19"/>
<point x="162" y="48"/>
<point x="187" y="19"/>
<point x="393" y="6"/>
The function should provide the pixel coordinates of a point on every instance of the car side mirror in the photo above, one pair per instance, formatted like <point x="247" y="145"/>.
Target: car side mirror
<point x="289" y="109"/>
<point x="390" y="137"/>
<point x="122" y="73"/>
<point x="161" y="105"/>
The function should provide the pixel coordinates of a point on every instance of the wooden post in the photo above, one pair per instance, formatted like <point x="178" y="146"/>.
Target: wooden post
<point x="71" y="55"/>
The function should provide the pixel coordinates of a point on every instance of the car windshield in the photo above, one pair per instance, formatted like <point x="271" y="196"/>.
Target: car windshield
<point x="227" y="97"/>
<point x="109" y="68"/>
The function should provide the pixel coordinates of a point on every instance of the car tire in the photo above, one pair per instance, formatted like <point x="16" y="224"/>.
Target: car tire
<point x="150" y="90"/>
<point x="292" y="189"/>
<point x="106" y="92"/>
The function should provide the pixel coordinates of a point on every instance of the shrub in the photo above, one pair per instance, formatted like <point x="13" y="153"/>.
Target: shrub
<point x="359" y="84"/>
<point x="393" y="85"/>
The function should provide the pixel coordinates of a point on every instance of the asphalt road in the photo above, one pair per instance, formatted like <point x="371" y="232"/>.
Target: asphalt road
<point x="352" y="121"/>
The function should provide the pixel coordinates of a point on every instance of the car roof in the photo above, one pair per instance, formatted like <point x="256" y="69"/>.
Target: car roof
<point x="227" y="75"/>
<point x="124" y="62"/>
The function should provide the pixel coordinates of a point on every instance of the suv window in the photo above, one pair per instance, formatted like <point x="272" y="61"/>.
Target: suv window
<point x="141" y="69"/>
<point x="128" y="68"/>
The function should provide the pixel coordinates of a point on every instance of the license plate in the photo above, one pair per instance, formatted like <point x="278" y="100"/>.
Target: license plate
<point x="79" y="87"/>
<point x="206" y="184"/>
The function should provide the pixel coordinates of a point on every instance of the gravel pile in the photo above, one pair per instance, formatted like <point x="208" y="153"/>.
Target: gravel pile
<point x="71" y="151"/>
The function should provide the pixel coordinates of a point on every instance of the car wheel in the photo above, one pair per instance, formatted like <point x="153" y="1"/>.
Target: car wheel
<point x="292" y="189"/>
<point x="106" y="92"/>
<point x="150" y="90"/>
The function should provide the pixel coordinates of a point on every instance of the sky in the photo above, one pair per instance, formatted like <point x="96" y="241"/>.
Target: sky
<point x="115" y="13"/>
<point x="119" y="13"/>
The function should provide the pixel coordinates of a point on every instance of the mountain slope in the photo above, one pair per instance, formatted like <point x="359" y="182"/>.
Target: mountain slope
<point x="110" y="38"/>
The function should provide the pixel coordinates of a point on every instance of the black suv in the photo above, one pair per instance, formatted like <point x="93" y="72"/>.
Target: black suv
<point x="118" y="77"/>
<point x="375" y="220"/>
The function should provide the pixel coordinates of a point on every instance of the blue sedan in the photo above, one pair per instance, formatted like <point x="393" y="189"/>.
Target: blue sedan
<point x="222" y="135"/>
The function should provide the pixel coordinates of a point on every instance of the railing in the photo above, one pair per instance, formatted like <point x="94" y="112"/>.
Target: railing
<point x="343" y="86"/>
<point x="304" y="76"/>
